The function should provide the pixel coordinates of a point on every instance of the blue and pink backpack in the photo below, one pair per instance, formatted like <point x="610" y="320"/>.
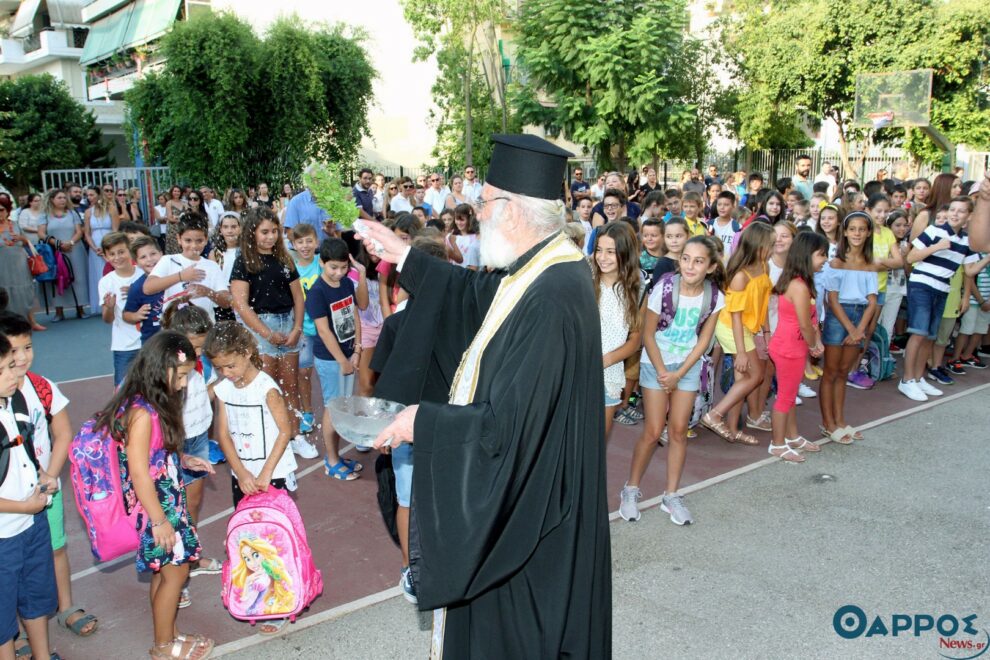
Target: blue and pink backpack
<point x="100" y="491"/>
<point x="269" y="571"/>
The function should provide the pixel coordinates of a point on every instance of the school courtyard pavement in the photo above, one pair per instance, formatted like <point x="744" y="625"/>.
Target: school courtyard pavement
<point x="895" y="525"/>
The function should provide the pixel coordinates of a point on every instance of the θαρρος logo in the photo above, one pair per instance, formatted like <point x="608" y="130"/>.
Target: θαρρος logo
<point x="957" y="635"/>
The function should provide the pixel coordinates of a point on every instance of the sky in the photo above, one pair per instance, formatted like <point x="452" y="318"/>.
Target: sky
<point x="400" y="134"/>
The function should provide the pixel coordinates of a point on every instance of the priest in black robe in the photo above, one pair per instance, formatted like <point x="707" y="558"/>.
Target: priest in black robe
<point x="510" y="537"/>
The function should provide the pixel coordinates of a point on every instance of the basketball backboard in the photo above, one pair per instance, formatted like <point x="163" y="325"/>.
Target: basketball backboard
<point x="896" y="98"/>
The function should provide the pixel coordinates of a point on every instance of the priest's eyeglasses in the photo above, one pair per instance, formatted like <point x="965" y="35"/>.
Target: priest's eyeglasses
<point x="481" y="202"/>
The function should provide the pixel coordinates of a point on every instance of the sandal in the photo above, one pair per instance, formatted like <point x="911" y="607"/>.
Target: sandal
<point x="801" y="443"/>
<point x="840" y="435"/>
<point x="272" y="626"/>
<point x="856" y="435"/>
<point x="744" y="438"/>
<point x="206" y="566"/>
<point x="77" y="626"/>
<point x="718" y="428"/>
<point x="196" y="648"/>
<point x="761" y="423"/>
<point x="340" y="471"/>
<point x="352" y="464"/>
<point x="185" y="600"/>
<point x="24" y="650"/>
<point x="788" y="455"/>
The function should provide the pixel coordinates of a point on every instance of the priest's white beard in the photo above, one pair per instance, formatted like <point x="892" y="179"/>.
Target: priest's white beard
<point x="496" y="250"/>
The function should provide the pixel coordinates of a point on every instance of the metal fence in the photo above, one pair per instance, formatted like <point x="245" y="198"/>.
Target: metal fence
<point x="780" y="163"/>
<point x="149" y="180"/>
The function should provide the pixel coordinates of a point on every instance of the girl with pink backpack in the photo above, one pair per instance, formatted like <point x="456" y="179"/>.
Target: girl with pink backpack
<point x="269" y="574"/>
<point x="144" y="419"/>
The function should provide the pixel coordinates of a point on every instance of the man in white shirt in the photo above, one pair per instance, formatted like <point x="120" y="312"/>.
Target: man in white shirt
<point x="212" y="206"/>
<point x="472" y="187"/>
<point x="435" y="196"/>
<point x="827" y="175"/>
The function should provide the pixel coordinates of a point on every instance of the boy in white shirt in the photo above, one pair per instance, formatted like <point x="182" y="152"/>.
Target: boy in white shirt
<point x="47" y="409"/>
<point x="125" y="338"/>
<point x="189" y="273"/>
<point x="27" y="571"/>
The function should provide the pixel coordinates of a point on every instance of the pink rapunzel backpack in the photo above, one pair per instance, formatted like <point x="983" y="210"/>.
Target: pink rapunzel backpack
<point x="100" y="491"/>
<point x="269" y="571"/>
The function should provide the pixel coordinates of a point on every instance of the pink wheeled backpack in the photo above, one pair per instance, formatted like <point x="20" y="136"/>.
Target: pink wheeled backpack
<point x="269" y="571"/>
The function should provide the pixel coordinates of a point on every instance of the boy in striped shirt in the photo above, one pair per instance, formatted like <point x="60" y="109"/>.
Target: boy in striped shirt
<point x="936" y="254"/>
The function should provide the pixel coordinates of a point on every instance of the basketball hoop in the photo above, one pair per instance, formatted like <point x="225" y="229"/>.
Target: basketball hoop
<point x="881" y="119"/>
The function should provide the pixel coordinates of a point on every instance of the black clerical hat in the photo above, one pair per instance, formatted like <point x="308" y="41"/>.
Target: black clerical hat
<point x="527" y="165"/>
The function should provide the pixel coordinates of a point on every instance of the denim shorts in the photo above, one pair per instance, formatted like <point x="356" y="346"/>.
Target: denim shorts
<point x="611" y="402"/>
<point x="306" y="351"/>
<point x="276" y="323"/>
<point x="833" y="332"/>
<point x="925" y="306"/>
<point x="27" y="574"/>
<point x="332" y="382"/>
<point x="199" y="447"/>
<point x="691" y="382"/>
<point x="121" y="362"/>
<point x="402" y="465"/>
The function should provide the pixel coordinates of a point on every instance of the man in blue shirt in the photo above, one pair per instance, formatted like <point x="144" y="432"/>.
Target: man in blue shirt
<point x="580" y="189"/>
<point x="363" y="196"/>
<point x="302" y="208"/>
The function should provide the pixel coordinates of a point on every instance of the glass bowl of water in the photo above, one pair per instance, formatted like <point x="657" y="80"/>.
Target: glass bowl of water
<point x="359" y="419"/>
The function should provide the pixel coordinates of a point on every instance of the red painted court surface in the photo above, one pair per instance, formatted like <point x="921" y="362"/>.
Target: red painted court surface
<point x="349" y="541"/>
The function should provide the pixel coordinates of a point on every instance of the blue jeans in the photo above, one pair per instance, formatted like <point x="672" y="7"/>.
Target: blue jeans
<point x="276" y="323"/>
<point x="833" y="332"/>
<point x="402" y="465"/>
<point x="925" y="306"/>
<point x="121" y="361"/>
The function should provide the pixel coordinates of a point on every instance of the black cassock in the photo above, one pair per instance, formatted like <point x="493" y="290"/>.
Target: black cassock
<point x="509" y="515"/>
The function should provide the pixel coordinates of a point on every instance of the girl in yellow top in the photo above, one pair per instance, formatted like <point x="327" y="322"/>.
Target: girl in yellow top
<point x="744" y="314"/>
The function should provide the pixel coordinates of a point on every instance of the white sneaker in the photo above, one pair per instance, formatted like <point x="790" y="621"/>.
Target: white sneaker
<point x="798" y="401"/>
<point x="302" y="447"/>
<point x="806" y="392"/>
<point x="911" y="390"/>
<point x="629" y="503"/>
<point x="927" y="388"/>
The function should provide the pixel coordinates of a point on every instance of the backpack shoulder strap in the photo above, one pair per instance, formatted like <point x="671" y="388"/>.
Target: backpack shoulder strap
<point x="25" y="430"/>
<point x="44" y="392"/>
<point x="670" y="284"/>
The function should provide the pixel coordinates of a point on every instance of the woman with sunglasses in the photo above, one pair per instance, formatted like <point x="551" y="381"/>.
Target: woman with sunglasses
<point x="403" y="201"/>
<point x="100" y="219"/>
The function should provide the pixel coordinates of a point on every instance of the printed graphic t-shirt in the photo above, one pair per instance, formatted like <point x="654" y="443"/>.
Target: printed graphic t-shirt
<point x="336" y="304"/>
<point x="679" y="338"/>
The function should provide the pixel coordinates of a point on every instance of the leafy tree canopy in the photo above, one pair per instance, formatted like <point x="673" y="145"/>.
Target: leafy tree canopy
<point x="43" y="127"/>
<point x="230" y="108"/>
<point x="613" y="76"/>
<point x="803" y="56"/>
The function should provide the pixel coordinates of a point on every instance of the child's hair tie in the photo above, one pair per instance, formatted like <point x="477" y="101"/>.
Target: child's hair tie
<point x="181" y="356"/>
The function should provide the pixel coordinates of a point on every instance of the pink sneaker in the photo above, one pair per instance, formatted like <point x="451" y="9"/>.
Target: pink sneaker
<point x="860" y="380"/>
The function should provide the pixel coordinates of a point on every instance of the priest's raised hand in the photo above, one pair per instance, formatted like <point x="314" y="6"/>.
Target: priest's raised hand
<point x="392" y="247"/>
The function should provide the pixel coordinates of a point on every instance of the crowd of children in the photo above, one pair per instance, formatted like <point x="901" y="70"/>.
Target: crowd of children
<point x="776" y="291"/>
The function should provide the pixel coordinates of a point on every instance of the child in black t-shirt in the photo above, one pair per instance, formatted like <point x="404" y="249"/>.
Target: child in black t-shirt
<point x="269" y="299"/>
<point x="337" y="349"/>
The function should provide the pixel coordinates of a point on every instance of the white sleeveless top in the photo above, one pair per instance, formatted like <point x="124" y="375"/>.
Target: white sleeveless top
<point x="251" y="425"/>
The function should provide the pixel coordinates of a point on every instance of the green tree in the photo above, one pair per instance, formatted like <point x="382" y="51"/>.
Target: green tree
<point x="470" y="90"/>
<point x="43" y="127"/>
<point x="804" y="55"/>
<point x="612" y="76"/>
<point x="229" y="108"/>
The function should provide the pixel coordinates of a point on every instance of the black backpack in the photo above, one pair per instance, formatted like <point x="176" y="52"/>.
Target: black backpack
<point x="25" y="435"/>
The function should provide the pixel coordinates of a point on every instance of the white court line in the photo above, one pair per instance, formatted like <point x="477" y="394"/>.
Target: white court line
<point x="381" y="596"/>
<point x="309" y="621"/>
<point x="79" y="380"/>
<point x="206" y="521"/>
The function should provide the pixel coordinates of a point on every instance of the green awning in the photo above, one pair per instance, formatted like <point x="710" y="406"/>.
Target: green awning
<point x="150" y="20"/>
<point x="106" y="36"/>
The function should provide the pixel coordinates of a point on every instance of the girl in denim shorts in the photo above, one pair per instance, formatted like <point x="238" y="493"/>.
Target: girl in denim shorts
<point x="850" y="284"/>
